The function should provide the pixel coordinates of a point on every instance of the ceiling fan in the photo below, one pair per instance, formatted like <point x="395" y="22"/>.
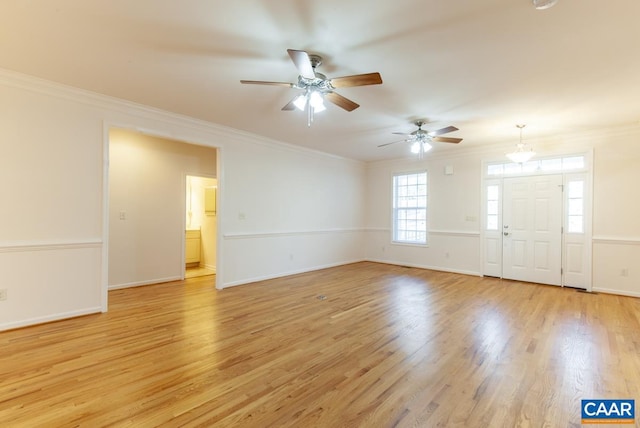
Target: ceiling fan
<point x="317" y="87"/>
<point x="420" y="138"/>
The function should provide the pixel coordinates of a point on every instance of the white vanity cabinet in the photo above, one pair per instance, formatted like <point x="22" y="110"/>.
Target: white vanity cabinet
<point x="192" y="246"/>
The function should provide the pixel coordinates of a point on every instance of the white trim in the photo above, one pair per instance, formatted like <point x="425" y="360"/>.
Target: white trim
<point x="148" y="282"/>
<point x="377" y="229"/>
<point x="210" y="267"/>
<point x="49" y="318"/>
<point x="288" y="273"/>
<point x="420" y="266"/>
<point x="48" y="245"/>
<point x="463" y="233"/>
<point x="588" y="170"/>
<point x="23" y="81"/>
<point x="106" y="199"/>
<point x="258" y="235"/>
<point x="615" y="240"/>
<point x="616" y="292"/>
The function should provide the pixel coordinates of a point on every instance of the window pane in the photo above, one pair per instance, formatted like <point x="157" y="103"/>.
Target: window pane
<point x="575" y="224"/>
<point x="492" y="193"/>
<point x="575" y="207"/>
<point x="512" y="168"/>
<point x="551" y="164"/>
<point x="575" y="162"/>
<point x="492" y="222"/>
<point x="492" y="207"/>
<point x="494" y="169"/>
<point x="576" y="189"/>
<point x="530" y="166"/>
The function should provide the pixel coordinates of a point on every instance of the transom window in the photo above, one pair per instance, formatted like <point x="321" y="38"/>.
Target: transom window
<point x="567" y="163"/>
<point x="410" y="208"/>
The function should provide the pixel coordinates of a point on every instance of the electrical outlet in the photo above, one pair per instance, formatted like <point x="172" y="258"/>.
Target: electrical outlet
<point x="3" y="294"/>
<point x="624" y="272"/>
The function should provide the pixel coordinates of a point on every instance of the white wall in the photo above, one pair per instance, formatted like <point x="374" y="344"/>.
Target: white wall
<point x="302" y="210"/>
<point x="616" y="216"/>
<point x="146" y="185"/>
<point x="291" y="211"/>
<point x="51" y="214"/>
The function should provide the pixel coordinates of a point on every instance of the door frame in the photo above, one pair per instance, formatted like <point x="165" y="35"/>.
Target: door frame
<point x="491" y="264"/>
<point x="185" y="175"/>
<point x="180" y="134"/>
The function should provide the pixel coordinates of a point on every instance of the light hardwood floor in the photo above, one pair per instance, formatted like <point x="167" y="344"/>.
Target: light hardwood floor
<point x="386" y="346"/>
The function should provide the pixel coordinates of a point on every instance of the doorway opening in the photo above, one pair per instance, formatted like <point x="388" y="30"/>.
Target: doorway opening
<point x="200" y="226"/>
<point x="145" y="218"/>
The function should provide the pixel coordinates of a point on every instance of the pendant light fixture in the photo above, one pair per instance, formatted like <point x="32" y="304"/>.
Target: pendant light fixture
<point x="523" y="152"/>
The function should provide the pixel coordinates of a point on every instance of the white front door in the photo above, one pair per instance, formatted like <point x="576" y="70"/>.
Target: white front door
<point x="532" y="229"/>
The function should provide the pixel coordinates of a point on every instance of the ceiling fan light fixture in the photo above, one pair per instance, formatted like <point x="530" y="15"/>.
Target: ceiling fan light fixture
<point x="300" y="102"/>
<point x="316" y="101"/>
<point x="544" y="4"/>
<point x="420" y="147"/>
<point x="523" y="152"/>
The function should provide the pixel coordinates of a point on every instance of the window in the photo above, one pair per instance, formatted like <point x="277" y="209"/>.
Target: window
<point x="493" y="199"/>
<point x="575" y="209"/>
<point x="410" y="208"/>
<point x="567" y="163"/>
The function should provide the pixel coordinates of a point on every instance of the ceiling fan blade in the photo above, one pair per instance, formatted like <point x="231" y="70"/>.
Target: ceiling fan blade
<point x="401" y="133"/>
<point x="290" y="105"/>
<point x="302" y="63"/>
<point x="341" y="101"/>
<point x="446" y="140"/>
<point x="443" y="131"/>
<point x="356" y="80"/>
<point x="262" y="82"/>
<point x="393" y="142"/>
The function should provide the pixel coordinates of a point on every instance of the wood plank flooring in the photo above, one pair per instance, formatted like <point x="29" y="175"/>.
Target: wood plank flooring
<point x="362" y="345"/>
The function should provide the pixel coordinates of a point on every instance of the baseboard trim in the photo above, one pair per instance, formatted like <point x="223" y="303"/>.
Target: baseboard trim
<point x="50" y="318"/>
<point x="143" y="283"/>
<point x="288" y="273"/>
<point x="419" y="266"/>
<point x="616" y="292"/>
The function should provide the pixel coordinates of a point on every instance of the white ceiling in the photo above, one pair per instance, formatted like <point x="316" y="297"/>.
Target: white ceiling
<point x="482" y="66"/>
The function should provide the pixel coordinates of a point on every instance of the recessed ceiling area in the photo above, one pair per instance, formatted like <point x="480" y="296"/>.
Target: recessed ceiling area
<point x="479" y="66"/>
